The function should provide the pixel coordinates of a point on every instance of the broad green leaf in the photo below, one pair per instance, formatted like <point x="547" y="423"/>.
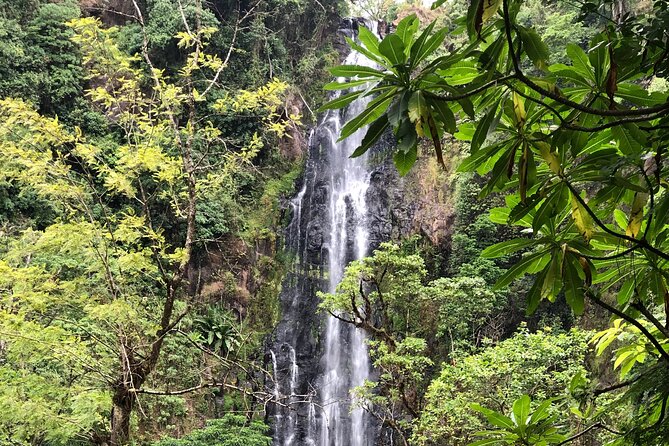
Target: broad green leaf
<point x="637" y="95"/>
<point x="573" y="286"/>
<point x="372" y="55"/>
<point x="443" y="114"/>
<point x="484" y="128"/>
<point x="355" y="70"/>
<point x="404" y="161"/>
<point x="499" y="215"/>
<point x="506" y="247"/>
<point x="392" y="48"/>
<point x="620" y="218"/>
<point x="580" y="61"/>
<point x="521" y="410"/>
<point x="418" y="45"/>
<point x="517" y="270"/>
<point x="344" y="85"/>
<point x="534" y="294"/>
<point x="341" y="101"/>
<point x="626" y="291"/>
<point x="459" y="75"/>
<point x="430" y="46"/>
<point x="374" y="132"/>
<point x="398" y="109"/>
<point x="535" y="48"/>
<point x="407" y="28"/>
<point x="417" y="107"/>
<point x="569" y="73"/>
<point x="627" y="143"/>
<point x="541" y="412"/>
<point x="474" y="17"/>
<point x="554" y="204"/>
<point x="369" y="39"/>
<point x="553" y="280"/>
<point x="599" y="59"/>
<point x="495" y="418"/>
<point x="373" y="111"/>
<point x="502" y="169"/>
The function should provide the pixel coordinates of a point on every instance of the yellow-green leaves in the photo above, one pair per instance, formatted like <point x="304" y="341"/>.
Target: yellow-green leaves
<point x="418" y="111"/>
<point x="635" y="351"/>
<point x="636" y="214"/>
<point x="582" y="220"/>
<point x="535" y="48"/>
<point x="549" y="156"/>
<point x="480" y="11"/>
<point x="490" y="8"/>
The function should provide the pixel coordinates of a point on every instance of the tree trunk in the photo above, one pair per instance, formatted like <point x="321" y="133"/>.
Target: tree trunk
<point x="122" y="403"/>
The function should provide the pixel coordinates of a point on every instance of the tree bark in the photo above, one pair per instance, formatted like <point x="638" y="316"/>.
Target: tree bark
<point x="122" y="403"/>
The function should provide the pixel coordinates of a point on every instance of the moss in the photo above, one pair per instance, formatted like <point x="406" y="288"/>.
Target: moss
<point x="263" y="221"/>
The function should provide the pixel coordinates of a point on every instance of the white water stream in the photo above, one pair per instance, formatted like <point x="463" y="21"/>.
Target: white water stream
<point x="329" y="419"/>
<point x="346" y="364"/>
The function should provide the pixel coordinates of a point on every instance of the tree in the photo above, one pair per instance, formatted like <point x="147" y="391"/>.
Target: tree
<point x="90" y="302"/>
<point x="577" y="149"/>
<point x="411" y="322"/>
<point x="231" y="430"/>
<point x="540" y="364"/>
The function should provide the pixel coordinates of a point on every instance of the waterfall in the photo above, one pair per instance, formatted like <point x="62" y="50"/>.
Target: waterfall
<point x="318" y="359"/>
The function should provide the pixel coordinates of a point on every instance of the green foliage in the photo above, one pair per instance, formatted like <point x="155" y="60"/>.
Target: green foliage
<point x="539" y="364"/>
<point x="38" y="60"/>
<point x="97" y="303"/>
<point x="464" y="306"/>
<point x="522" y="425"/>
<point x="412" y="323"/>
<point x="576" y="147"/>
<point x="231" y="430"/>
<point x="217" y="331"/>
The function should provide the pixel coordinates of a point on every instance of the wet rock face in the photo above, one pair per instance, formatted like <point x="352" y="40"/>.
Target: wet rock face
<point x="391" y="214"/>
<point x="299" y="348"/>
<point x="298" y="345"/>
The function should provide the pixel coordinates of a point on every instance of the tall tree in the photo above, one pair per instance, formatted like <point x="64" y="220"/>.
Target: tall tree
<point x="89" y="303"/>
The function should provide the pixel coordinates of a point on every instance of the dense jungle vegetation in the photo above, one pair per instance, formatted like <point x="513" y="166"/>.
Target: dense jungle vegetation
<point x="147" y="150"/>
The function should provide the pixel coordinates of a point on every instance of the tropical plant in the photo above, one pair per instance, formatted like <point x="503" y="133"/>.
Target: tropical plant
<point x="540" y="364"/>
<point x="522" y="426"/>
<point x="577" y="149"/>
<point x="231" y="430"/>
<point x="89" y="303"/>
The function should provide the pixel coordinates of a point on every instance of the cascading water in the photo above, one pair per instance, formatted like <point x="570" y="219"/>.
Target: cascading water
<point x="317" y="360"/>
